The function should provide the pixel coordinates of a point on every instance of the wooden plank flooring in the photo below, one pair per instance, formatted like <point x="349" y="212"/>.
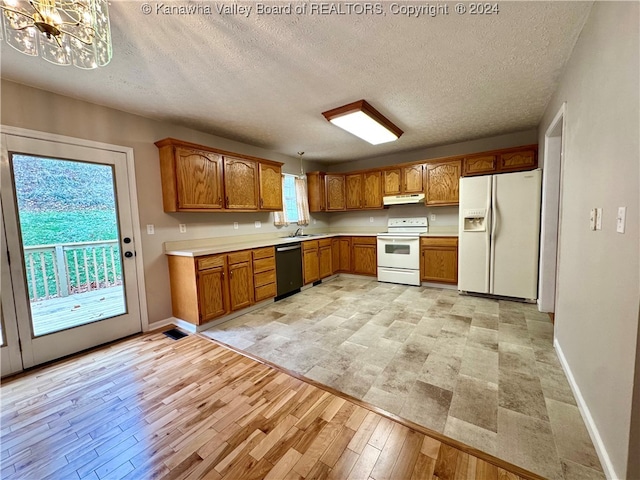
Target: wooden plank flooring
<point x="151" y="407"/>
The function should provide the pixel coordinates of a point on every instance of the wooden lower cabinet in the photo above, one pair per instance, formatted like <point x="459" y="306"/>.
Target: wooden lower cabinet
<point x="344" y="254"/>
<point x="325" y="258"/>
<point x="205" y="288"/>
<point x="310" y="262"/>
<point x="317" y="260"/>
<point x="364" y="256"/>
<point x="439" y="259"/>
<point x="264" y="273"/>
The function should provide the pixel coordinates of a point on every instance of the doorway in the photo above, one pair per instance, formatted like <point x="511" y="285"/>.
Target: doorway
<point x="69" y="273"/>
<point x="551" y="212"/>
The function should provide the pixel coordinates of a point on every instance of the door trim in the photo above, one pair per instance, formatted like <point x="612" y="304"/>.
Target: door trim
<point x="551" y="213"/>
<point x="128" y="152"/>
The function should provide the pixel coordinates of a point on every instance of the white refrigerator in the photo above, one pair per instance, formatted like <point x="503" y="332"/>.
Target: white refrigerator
<point x="500" y="234"/>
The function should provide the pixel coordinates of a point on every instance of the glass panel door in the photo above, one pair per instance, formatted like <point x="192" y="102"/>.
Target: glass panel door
<point x="69" y="227"/>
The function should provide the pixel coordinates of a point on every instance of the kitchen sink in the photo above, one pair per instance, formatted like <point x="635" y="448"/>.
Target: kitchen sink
<point x="304" y="235"/>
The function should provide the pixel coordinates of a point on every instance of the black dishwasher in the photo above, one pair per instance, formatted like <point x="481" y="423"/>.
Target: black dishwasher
<point x="288" y="269"/>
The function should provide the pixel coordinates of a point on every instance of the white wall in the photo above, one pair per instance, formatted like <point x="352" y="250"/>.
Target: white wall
<point x="598" y="284"/>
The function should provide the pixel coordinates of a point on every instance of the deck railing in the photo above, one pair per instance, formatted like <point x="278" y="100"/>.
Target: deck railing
<point x="63" y="269"/>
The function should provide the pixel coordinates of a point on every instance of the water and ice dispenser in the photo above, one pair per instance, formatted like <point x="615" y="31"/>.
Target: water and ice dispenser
<point x="475" y="220"/>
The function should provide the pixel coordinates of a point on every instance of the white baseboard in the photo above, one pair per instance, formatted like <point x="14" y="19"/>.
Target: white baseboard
<point x="159" y="324"/>
<point x="592" y="428"/>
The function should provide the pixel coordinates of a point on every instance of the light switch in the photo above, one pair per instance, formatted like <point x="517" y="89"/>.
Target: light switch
<point x="183" y="228"/>
<point x="598" y="219"/>
<point x="370" y="219"/>
<point x="235" y="225"/>
<point x="620" y="221"/>
<point x="151" y="229"/>
<point x="258" y="224"/>
<point x="433" y="217"/>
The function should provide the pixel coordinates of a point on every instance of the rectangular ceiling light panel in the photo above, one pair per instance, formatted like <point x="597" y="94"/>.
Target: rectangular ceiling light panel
<point x="364" y="121"/>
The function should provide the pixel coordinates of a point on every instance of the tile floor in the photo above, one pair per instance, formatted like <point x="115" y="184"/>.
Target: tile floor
<point x="481" y="371"/>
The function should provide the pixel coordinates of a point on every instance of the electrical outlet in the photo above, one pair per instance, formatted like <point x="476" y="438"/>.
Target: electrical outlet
<point x="620" y="220"/>
<point x="235" y="225"/>
<point x="592" y="219"/>
<point x="598" y="219"/>
<point x="183" y="228"/>
<point x="371" y="219"/>
<point x="258" y="224"/>
<point x="315" y="221"/>
<point x="151" y="229"/>
<point x="433" y="217"/>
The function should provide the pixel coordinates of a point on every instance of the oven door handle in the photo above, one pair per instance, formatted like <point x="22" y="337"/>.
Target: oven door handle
<point x="408" y="239"/>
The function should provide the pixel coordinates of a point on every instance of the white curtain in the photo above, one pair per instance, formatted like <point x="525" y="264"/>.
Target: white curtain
<point x="302" y="201"/>
<point x="280" y="218"/>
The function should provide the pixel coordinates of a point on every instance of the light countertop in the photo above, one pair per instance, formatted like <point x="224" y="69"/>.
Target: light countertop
<point x="218" y="245"/>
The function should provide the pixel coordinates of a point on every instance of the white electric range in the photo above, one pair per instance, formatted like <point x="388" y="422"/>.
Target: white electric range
<point x="399" y="250"/>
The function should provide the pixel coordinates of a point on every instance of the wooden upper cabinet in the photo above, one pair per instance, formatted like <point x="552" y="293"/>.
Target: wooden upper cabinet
<point x="354" y="191"/>
<point x="520" y="160"/>
<point x="335" y="191"/>
<point x="270" y="187"/>
<point x="443" y="180"/>
<point x="241" y="183"/>
<point x="406" y="179"/>
<point x="316" y="191"/>
<point x="191" y="179"/>
<point x="391" y="181"/>
<point x="372" y="192"/>
<point x="480" y="165"/>
<point x="412" y="179"/>
<point x="196" y="178"/>
<point x="501" y="161"/>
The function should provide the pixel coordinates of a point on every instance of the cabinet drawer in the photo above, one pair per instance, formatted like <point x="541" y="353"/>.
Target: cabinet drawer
<point x="264" y="264"/>
<point x="210" y="262"/>
<point x="325" y="242"/>
<point x="265" y="291"/>
<point x="364" y="240"/>
<point x="263" y="252"/>
<point x="239" y="257"/>
<point x="310" y="245"/>
<point x="264" y="278"/>
<point x="439" y="241"/>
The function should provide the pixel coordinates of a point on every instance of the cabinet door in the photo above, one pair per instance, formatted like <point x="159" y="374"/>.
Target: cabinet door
<point x="310" y="262"/>
<point x="515" y="161"/>
<point x="344" y="261"/>
<point x="316" y="191"/>
<point x="325" y="255"/>
<point x="440" y="264"/>
<point x="198" y="178"/>
<point x="270" y="187"/>
<point x="480" y="165"/>
<point x="335" y="192"/>
<point x="335" y="255"/>
<point x="241" y="183"/>
<point x="391" y="181"/>
<point x="372" y="192"/>
<point x="443" y="180"/>
<point x="212" y="294"/>
<point x="364" y="256"/>
<point x="240" y="285"/>
<point x="412" y="181"/>
<point x="354" y="191"/>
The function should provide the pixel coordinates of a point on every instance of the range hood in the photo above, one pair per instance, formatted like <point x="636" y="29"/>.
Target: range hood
<point x="403" y="199"/>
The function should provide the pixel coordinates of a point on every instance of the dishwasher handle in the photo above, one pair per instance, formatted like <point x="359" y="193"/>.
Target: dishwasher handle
<point x="286" y="249"/>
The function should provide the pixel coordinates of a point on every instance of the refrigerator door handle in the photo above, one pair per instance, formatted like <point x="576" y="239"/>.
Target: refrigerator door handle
<point x="488" y="221"/>
<point x="494" y="223"/>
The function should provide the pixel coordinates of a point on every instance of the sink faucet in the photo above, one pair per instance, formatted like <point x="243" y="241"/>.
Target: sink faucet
<point x="298" y="232"/>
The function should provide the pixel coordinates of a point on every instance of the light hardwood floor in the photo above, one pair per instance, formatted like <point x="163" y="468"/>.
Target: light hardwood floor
<point x="151" y="407"/>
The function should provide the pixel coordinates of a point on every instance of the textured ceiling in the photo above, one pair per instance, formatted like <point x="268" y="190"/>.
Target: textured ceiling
<point x="265" y="79"/>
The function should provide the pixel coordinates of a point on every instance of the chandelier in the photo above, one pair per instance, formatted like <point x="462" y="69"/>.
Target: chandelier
<point x="63" y="32"/>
